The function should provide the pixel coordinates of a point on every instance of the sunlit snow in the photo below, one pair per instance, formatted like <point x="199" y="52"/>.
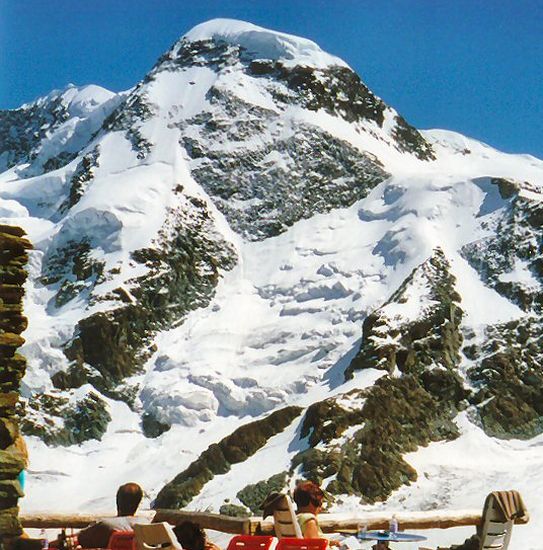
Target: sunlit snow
<point x="285" y="322"/>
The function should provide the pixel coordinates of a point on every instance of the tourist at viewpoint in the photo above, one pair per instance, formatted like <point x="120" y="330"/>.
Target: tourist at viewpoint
<point x="308" y="497"/>
<point x="97" y="535"/>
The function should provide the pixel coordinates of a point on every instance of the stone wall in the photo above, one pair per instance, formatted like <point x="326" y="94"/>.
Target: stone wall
<point x="13" y="258"/>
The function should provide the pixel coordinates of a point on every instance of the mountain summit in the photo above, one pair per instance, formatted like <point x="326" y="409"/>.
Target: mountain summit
<point x="249" y="268"/>
<point x="262" y="43"/>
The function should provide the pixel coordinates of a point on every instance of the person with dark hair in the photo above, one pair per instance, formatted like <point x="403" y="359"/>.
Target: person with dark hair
<point x="192" y="537"/>
<point x="128" y="499"/>
<point x="308" y="497"/>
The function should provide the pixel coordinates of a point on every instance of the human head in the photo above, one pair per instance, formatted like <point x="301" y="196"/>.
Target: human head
<point x="190" y="535"/>
<point x="308" y="493"/>
<point x="129" y="497"/>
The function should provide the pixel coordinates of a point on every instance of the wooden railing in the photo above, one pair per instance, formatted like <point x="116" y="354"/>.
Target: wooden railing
<point x="329" y="523"/>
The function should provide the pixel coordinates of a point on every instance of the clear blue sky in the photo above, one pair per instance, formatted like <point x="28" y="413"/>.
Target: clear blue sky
<point x="474" y="66"/>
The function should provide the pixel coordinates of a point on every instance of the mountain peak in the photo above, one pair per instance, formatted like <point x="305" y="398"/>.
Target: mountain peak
<point x="263" y="43"/>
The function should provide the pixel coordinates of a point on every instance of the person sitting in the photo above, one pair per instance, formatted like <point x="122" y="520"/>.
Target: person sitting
<point x="192" y="537"/>
<point x="128" y="499"/>
<point x="308" y="497"/>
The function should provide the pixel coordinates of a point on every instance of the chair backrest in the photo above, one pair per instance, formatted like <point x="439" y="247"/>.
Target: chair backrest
<point x="153" y="536"/>
<point x="250" y="542"/>
<point x="122" y="540"/>
<point x="284" y="519"/>
<point x="288" y="543"/>
<point x="495" y="530"/>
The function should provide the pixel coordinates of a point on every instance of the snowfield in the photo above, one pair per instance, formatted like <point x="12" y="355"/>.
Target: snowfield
<point x="285" y="322"/>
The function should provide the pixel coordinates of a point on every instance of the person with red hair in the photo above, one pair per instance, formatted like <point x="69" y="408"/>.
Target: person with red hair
<point x="308" y="497"/>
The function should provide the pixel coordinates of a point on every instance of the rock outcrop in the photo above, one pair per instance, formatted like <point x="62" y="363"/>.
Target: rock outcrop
<point x="219" y="457"/>
<point x="506" y="366"/>
<point x="414" y="403"/>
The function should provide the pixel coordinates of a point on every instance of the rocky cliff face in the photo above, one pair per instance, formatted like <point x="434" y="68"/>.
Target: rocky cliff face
<point x="506" y="368"/>
<point x="253" y="262"/>
<point x="13" y="459"/>
<point x="49" y="133"/>
<point x="264" y="169"/>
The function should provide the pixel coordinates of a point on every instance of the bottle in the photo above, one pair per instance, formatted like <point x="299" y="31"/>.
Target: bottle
<point x="362" y="529"/>
<point x="44" y="541"/>
<point x="62" y="540"/>
<point x="393" y="525"/>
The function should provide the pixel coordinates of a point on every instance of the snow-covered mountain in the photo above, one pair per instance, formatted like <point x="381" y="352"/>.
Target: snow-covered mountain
<point x="248" y="268"/>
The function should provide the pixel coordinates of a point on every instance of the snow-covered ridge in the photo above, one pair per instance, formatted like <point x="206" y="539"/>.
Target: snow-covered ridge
<point x="48" y="132"/>
<point x="264" y="43"/>
<point x="79" y="100"/>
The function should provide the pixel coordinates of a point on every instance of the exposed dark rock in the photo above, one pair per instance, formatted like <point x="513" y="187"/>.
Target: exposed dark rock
<point x="82" y="175"/>
<point x="184" y="267"/>
<point x="202" y="53"/>
<point x="24" y="133"/>
<point x="218" y="458"/>
<point x="396" y="416"/>
<point x="261" y="197"/>
<point x="509" y="380"/>
<point x="516" y="241"/>
<point x="57" y="421"/>
<point x="410" y="140"/>
<point x="22" y="130"/>
<point x="128" y="116"/>
<point x="507" y="188"/>
<point x="235" y="511"/>
<point x="336" y="89"/>
<point x="254" y="495"/>
<point x="75" y="376"/>
<point x="58" y="161"/>
<point x="507" y="370"/>
<point x="153" y="427"/>
<point x="73" y="267"/>
<point x="431" y="339"/>
<point x="413" y="404"/>
<point x="111" y="342"/>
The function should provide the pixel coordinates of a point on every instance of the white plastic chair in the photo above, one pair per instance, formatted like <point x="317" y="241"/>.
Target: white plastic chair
<point x="495" y="530"/>
<point x="155" y="536"/>
<point x="284" y="519"/>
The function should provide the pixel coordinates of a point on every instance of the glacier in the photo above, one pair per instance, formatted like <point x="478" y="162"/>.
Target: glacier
<point x="214" y="152"/>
